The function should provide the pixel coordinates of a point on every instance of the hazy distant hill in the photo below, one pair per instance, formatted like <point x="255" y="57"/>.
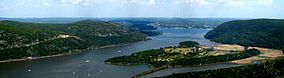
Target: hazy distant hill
<point x="47" y="20"/>
<point x="140" y="23"/>
<point x="21" y="39"/>
<point x="257" y="32"/>
<point x="175" y="22"/>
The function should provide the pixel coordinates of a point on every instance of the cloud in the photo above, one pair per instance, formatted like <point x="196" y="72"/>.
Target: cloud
<point x="151" y="2"/>
<point x="192" y="2"/>
<point x="76" y="1"/>
<point x="137" y="2"/>
<point x="72" y="1"/>
<point x="265" y="2"/>
<point x="122" y="2"/>
<point x="24" y="3"/>
<point x="200" y="2"/>
<point x="233" y="3"/>
<point x="46" y="4"/>
<point x="110" y="3"/>
<point x="133" y="1"/>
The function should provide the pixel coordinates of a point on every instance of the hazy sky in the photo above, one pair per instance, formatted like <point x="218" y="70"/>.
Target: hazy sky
<point x="143" y="8"/>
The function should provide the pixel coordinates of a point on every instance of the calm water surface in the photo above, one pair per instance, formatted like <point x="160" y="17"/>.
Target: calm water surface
<point x="75" y="66"/>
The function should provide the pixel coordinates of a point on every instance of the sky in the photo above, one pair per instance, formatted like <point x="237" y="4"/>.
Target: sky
<point x="143" y="8"/>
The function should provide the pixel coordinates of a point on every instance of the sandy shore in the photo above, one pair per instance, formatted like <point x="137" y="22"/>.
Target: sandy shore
<point x="266" y="53"/>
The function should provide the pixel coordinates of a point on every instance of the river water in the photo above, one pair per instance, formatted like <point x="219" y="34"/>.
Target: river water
<point x="90" y="64"/>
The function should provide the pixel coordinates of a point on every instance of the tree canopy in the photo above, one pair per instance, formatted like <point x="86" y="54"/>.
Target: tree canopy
<point x="256" y="32"/>
<point x="22" y="39"/>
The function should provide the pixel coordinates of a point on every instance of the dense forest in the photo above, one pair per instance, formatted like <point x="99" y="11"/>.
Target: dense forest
<point x="257" y="32"/>
<point x="269" y="69"/>
<point x="21" y="39"/>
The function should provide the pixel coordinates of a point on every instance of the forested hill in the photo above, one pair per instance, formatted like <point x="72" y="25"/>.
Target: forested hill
<point x="256" y="32"/>
<point x="20" y="39"/>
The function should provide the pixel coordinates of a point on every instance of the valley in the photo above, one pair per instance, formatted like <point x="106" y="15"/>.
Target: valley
<point x="154" y="50"/>
<point x="141" y="39"/>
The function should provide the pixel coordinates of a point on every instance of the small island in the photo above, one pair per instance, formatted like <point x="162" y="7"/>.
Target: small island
<point x="187" y="53"/>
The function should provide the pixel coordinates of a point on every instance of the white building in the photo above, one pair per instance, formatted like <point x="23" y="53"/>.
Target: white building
<point x="63" y="36"/>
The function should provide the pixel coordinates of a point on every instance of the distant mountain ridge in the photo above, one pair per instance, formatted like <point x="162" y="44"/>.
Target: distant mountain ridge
<point x="139" y="22"/>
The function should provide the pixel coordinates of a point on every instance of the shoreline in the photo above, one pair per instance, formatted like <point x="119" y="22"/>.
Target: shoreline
<point x="153" y="70"/>
<point x="156" y="69"/>
<point x="220" y="47"/>
<point x="62" y="54"/>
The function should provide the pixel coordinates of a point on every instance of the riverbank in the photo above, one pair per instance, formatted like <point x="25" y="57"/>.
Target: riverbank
<point x="180" y="66"/>
<point x="150" y="71"/>
<point x="62" y="54"/>
<point x="153" y="70"/>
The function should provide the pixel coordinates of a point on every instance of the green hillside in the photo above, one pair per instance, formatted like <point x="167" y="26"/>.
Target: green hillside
<point x="257" y="32"/>
<point x="20" y="39"/>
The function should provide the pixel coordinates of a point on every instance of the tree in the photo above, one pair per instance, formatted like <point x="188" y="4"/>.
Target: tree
<point x="188" y="44"/>
<point x="283" y="50"/>
<point x="246" y="48"/>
